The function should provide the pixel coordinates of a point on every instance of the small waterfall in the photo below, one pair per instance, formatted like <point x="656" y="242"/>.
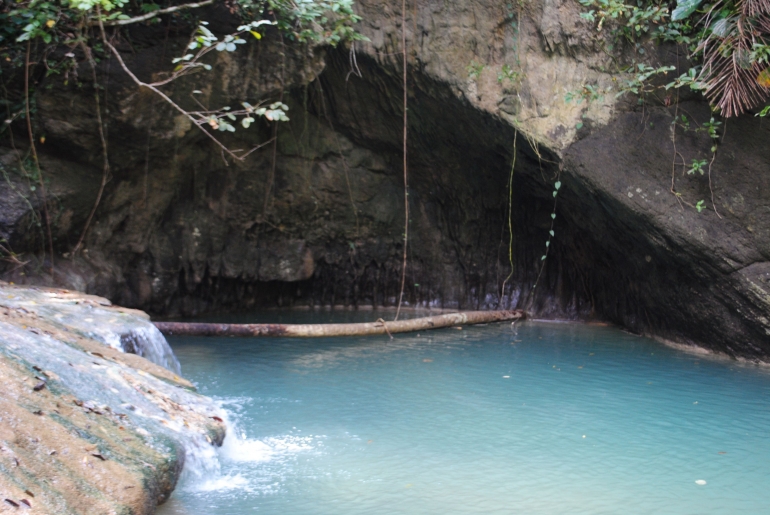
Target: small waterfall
<point x="156" y="408"/>
<point x="149" y="343"/>
<point x="166" y="415"/>
<point x="54" y="337"/>
<point x="126" y="330"/>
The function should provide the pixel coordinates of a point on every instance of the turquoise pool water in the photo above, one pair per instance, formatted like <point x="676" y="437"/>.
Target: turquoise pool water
<point x="546" y="419"/>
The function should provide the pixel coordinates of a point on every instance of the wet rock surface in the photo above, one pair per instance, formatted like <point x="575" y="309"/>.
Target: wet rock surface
<point x="84" y="427"/>
<point x="318" y="218"/>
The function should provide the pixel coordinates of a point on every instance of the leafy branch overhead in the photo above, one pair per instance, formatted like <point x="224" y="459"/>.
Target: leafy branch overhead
<point x="68" y="25"/>
<point x="729" y="40"/>
<point x="38" y="33"/>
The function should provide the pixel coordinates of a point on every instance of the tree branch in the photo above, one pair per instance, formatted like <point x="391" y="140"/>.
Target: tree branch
<point x="161" y="94"/>
<point x="148" y="16"/>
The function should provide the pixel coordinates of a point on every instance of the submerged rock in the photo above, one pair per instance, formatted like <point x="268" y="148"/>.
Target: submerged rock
<point x="84" y="426"/>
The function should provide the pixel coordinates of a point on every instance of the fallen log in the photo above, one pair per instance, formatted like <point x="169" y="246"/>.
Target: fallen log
<point x="322" y="330"/>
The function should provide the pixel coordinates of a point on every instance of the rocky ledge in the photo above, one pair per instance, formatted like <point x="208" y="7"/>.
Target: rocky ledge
<point x="87" y="425"/>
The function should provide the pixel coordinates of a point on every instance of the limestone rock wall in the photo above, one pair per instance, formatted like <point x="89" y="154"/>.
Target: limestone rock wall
<point x="86" y="428"/>
<point x="317" y="218"/>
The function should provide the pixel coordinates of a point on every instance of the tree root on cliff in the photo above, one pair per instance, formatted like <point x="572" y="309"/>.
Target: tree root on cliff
<point x="323" y="330"/>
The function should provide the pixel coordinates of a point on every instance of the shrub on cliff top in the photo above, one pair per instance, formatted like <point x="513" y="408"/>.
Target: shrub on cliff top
<point x="728" y="39"/>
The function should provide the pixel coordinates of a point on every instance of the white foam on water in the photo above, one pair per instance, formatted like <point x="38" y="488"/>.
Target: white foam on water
<point x="240" y="450"/>
<point x="209" y="470"/>
<point x="222" y="484"/>
<point x="290" y="444"/>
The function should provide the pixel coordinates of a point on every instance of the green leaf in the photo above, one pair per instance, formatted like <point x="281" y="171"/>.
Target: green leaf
<point x="551" y="233"/>
<point x="148" y="8"/>
<point x="542" y="258"/>
<point x="684" y="8"/>
<point x="723" y="27"/>
<point x="557" y="184"/>
<point x="553" y="216"/>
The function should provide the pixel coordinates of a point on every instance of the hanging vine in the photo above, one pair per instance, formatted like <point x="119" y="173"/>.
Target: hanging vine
<point x="406" y="176"/>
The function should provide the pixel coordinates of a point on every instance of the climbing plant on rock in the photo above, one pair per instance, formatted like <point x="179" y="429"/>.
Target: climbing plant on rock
<point x="551" y="233"/>
<point x="728" y="40"/>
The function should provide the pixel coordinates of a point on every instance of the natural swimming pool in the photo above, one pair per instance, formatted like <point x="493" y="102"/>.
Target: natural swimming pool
<point x="544" y="419"/>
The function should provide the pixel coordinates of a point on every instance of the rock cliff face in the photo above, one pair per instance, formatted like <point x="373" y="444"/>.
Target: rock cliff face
<point x="318" y="217"/>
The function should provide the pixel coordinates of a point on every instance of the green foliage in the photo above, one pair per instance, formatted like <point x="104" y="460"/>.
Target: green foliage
<point x="697" y="166"/>
<point x="91" y="5"/>
<point x="551" y="233"/>
<point x="63" y="21"/>
<point x="682" y="121"/>
<point x="690" y="78"/>
<point x="508" y="74"/>
<point x="711" y="127"/>
<point x="729" y="40"/>
<point x="588" y="92"/>
<point x="320" y="21"/>
<point x="638" y="84"/>
<point x="700" y="206"/>
<point x="629" y="20"/>
<point x="474" y="70"/>
<point x="684" y="8"/>
<point x="26" y="23"/>
<point x="225" y="119"/>
<point x="760" y="53"/>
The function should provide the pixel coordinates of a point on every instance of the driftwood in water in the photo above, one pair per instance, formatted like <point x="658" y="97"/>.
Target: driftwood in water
<point x="320" y="330"/>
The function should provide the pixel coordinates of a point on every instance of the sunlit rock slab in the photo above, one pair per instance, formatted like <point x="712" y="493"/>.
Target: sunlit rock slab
<point x="84" y="426"/>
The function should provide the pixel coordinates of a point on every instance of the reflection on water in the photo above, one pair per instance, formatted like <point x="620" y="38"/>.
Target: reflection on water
<point x="549" y="419"/>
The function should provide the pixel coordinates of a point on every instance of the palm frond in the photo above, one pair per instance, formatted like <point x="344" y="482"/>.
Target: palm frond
<point x="731" y="81"/>
<point x="730" y="72"/>
<point x="755" y="7"/>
